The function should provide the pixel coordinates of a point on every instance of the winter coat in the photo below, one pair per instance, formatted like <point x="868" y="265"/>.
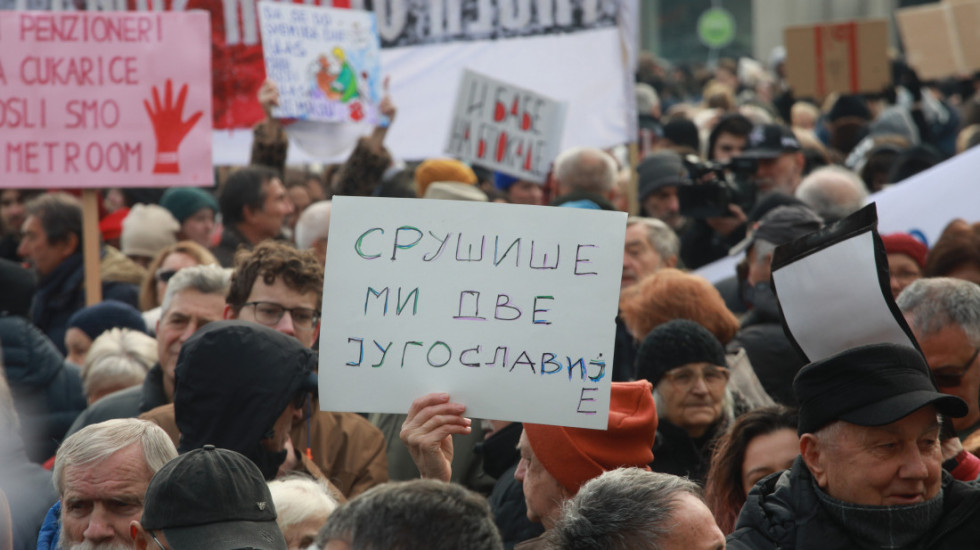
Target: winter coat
<point x="773" y="357"/>
<point x="62" y="292"/>
<point x="47" y="390"/>
<point x="783" y="511"/>
<point x="675" y="452"/>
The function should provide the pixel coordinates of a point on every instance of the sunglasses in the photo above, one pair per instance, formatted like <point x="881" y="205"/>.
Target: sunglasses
<point x="164" y="275"/>
<point x="951" y="377"/>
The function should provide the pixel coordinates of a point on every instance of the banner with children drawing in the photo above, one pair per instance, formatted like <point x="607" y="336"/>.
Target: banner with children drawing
<point x="326" y="62"/>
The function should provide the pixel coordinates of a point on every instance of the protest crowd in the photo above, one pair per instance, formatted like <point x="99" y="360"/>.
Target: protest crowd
<point x="182" y="410"/>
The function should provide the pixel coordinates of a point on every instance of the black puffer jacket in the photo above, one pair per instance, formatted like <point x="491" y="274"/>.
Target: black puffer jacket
<point x="783" y="511"/>
<point x="47" y="390"/>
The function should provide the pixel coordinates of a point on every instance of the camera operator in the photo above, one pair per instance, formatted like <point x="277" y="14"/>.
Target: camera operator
<point x="772" y="162"/>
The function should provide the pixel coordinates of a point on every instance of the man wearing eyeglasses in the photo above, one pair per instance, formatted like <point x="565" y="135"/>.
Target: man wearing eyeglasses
<point x="277" y="286"/>
<point x="944" y="315"/>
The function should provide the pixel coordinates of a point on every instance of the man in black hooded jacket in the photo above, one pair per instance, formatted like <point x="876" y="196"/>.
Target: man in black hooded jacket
<point x="239" y="386"/>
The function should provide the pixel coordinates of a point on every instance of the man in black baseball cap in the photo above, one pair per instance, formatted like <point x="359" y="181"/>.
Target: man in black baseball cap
<point x="870" y="471"/>
<point x="208" y="499"/>
<point x="779" y="157"/>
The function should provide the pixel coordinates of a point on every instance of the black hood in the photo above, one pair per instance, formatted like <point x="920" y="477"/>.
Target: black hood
<point x="233" y="380"/>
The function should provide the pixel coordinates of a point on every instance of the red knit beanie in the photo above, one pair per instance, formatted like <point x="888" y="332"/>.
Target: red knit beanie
<point x="903" y="243"/>
<point x="576" y="455"/>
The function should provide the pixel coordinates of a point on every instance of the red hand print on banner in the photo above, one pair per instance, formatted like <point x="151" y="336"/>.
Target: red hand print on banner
<point x="167" y="126"/>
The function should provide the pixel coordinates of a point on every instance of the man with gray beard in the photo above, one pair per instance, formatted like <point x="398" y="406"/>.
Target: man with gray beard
<point x="101" y="473"/>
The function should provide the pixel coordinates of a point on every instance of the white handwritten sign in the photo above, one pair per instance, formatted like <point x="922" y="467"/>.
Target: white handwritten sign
<point x="508" y="308"/>
<point x="505" y="128"/>
<point x="326" y="62"/>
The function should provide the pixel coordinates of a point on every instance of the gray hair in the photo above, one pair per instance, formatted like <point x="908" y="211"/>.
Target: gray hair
<point x="833" y="192"/>
<point x="624" y="509"/>
<point x="313" y="224"/>
<point x="206" y="279"/>
<point x="299" y="497"/>
<point x="60" y="215"/>
<point x="98" y="442"/>
<point x="118" y="357"/>
<point x="586" y="169"/>
<point x="935" y="303"/>
<point x="647" y="98"/>
<point x="421" y="513"/>
<point x="663" y="239"/>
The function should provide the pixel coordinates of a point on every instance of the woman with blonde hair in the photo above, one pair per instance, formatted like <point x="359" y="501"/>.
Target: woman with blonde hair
<point x="165" y="264"/>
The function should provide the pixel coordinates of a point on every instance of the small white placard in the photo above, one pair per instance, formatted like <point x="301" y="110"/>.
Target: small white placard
<point x="504" y="127"/>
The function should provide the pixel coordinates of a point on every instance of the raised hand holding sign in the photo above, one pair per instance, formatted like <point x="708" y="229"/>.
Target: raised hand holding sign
<point x="167" y="126"/>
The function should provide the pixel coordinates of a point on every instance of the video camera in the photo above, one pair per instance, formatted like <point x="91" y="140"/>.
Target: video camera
<point x="716" y="185"/>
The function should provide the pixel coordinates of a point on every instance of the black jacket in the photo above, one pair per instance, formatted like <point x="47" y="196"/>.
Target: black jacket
<point x="47" y="390"/>
<point x="774" y="359"/>
<point x="675" y="452"/>
<point x="233" y="381"/>
<point x="783" y="512"/>
<point x="62" y="292"/>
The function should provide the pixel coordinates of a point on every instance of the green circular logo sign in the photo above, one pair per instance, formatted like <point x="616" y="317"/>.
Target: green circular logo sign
<point x="716" y="28"/>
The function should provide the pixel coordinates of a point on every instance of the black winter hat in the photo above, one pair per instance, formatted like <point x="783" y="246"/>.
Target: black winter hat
<point x="674" y="344"/>
<point x="94" y="320"/>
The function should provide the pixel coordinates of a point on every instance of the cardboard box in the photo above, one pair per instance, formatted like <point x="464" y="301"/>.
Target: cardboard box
<point x="941" y="40"/>
<point x="845" y="57"/>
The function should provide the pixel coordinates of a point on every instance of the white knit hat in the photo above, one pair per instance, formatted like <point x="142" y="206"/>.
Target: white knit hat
<point x="148" y="229"/>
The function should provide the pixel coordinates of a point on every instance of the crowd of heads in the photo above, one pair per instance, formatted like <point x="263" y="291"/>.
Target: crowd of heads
<point x="719" y="425"/>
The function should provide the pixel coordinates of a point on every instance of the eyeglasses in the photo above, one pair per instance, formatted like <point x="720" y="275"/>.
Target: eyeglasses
<point x="270" y="313"/>
<point x="154" y="537"/>
<point x="685" y="378"/>
<point x="164" y="275"/>
<point x="951" y="377"/>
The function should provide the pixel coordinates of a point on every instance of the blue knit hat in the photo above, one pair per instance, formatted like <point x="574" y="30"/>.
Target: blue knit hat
<point x="503" y="181"/>
<point x="94" y="320"/>
<point x="184" y="202"/>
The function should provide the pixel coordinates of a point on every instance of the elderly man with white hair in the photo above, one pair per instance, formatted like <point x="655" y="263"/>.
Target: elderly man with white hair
<point x="312" y="228"/>
<point x="833" y="192"/>
<point x="101" y="473"/>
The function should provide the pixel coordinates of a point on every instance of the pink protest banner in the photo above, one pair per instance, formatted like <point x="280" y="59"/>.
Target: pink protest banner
<point x="105" y="99"/>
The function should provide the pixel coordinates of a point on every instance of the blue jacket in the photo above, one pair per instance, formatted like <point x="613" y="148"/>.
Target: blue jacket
<point x="47" y="390"/>
<point x="47" y="539"/>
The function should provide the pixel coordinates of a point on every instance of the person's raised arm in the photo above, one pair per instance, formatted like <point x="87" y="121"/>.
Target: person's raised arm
<point x="428" y="430"/>
<point x="387" y="109"/>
